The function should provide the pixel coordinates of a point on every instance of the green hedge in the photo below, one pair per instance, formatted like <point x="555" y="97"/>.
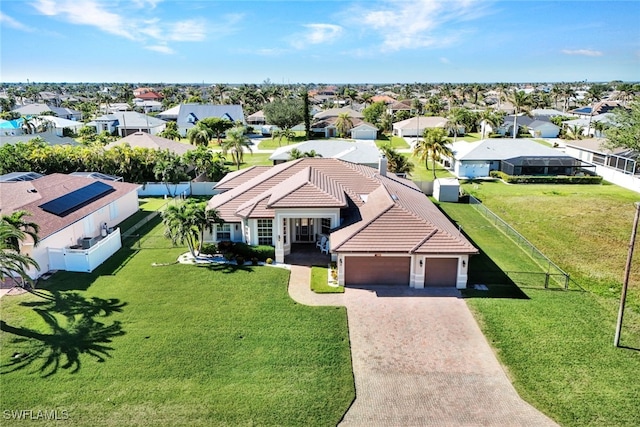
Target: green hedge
<point x="544" y="179"/>
<point x="239" y="249"/>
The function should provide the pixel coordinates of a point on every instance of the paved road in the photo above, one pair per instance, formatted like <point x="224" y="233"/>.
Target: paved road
<point x="420" y="359"/>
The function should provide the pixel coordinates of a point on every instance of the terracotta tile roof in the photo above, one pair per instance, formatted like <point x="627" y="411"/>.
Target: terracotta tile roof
<point x="30" y="195"/>
<point x="392" y="214"/>
<point x="232" y="179"/>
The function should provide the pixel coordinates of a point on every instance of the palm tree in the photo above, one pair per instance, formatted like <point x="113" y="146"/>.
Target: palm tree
<point x="171" y="132"/>
<point x="599" y="128"/>
<point x="344" y="123"/>
<point x="491" y="118"/>
<point x="434" y="145"/>
<point x="17" y="221"/>
<point x="284" y="133"/>
<point x="575" y="132"/>
<point x="186" y="222"/>
<point x="236" y="143"/>
<point x="200" y="135"/>
<point x="521" y="102"/>
<point x="12" y="263"/>
<point x="28" y="125"/>
<point x="455" y="119"/>
<point x="396" y="162"/>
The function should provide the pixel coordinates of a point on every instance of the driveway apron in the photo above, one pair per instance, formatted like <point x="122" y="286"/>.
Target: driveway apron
<point x="420" y="359"/>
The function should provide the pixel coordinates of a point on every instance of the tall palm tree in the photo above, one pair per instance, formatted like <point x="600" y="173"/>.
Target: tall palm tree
<point x="13" y="264"/>
<point x="521" y="102"/>
<point x="433" y="145"/>
<point x="17" y="221"/>
<point x="344" y="123"/>
<point x="236" y="143"/>
<point x="455" y="119"/>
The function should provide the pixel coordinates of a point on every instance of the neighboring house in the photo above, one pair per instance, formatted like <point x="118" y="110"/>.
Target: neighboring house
<point x="77" y="217"/>
<point x="512" y="156"/>
<point x="11" y="127"/>
<point x="601" y="107"/>
<point x="400" y="106"/>
<point x="170" y="115"/>
<point x="189" y="114"/>
<point x="587" y="123"/>
<point x="382" y="98"/>
<point x="543" y="129"/>
<point x="594" y="151"/>
<point x="364" y="131"/>
<point x="415" y="126"/>
<point x="548" y="113"/>
<point x="58" y="124"/>
<point x="38" y="109"/>
<point x="125" y="123"/>
<point x="362" y="152"/>
<point x="153" y="142"/>
<point x="381" y="229"/>
<point x="149" y="96"/>
<point x="147" y="106"/>
<point x="324" y="123"/>
<point x="257" y="119"/>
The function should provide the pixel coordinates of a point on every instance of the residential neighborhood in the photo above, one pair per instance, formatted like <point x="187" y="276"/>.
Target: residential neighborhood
<point x="319" y="213"/>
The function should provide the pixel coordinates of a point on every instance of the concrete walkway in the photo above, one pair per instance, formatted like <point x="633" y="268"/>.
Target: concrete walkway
<point x="420" y="359"/>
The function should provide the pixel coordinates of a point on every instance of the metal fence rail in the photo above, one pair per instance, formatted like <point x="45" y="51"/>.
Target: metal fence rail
<point x="553" y="273"/>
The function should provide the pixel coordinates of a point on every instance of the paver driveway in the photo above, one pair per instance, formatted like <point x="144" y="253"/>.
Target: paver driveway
<point x="420" y="359"/>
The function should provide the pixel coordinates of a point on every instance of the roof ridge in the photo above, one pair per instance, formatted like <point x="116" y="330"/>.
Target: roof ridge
<point x="422" y="242"/>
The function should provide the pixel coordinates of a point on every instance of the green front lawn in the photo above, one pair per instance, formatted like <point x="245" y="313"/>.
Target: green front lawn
<point x="174" y="345"/>
<point x="557" y="345"/>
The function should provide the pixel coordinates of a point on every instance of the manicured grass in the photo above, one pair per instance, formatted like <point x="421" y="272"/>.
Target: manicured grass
<point x="585" y="229"/>
<point x="274" y="143"/>
<point x="320" y="281"/>
<point x="395" y="142"/>
<point x="420" y="172"/>
<point x="252" y="159"/>
<point x="557" y="346"/>
<point x="175" y="345"/>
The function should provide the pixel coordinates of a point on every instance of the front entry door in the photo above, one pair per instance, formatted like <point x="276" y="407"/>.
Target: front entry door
<point x="304" y="230"/>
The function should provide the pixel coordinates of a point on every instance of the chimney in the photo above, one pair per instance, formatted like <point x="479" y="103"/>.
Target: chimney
<point x="382" y="165"/>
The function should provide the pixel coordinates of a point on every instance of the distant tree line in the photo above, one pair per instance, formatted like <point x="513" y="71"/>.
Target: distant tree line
<point x="133" y="164"/>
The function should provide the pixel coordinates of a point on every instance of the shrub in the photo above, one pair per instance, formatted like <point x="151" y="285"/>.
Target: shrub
<point x="269" y="261"/>
<point x="254" y="261"/>
<point x="209" y="249"/>
<point x="544" y="179"/>
<point x="240" y="260"/>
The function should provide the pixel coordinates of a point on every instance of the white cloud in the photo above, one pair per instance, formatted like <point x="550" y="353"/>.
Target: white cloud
<point x="189" y="30"/>
<point x="8" y="21"/>
<point x="161" y="48"/>
<point x="582" y="52"/>
<point x="135" y="21"/>
<point x="88" y="12"/>
<point x="445" y="60"/>
<point x="423" y="23"/>
<point x="317" y="34"/>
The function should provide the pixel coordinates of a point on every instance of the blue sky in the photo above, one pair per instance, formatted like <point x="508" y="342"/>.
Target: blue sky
<point x="339" y="41"/>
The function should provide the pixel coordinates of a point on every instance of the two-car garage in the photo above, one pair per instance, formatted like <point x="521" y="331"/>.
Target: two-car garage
<point x="396" y="271"/>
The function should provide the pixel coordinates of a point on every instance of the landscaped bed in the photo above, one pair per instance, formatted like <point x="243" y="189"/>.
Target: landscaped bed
<point x="134" y="344"/>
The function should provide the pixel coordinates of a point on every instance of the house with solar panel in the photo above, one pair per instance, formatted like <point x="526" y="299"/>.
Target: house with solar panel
<point x="77" y="214"/>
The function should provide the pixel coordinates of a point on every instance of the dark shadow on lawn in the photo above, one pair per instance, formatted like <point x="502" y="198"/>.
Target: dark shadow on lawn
<point x="226" y="268"/>
<point x="80" y="334"/>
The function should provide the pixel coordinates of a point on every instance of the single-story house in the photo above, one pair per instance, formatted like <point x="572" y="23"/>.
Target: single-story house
<point x="59" y="124"/>
<point x="48" y="137"/>
<point x="147" y="106"/>
<point x="588" y="124"/>
<point x="38" y="109"/>
<point x="359" y="152"/>
<point x="520" y="156"/>
<point x="77" y="217"/>
<point x="543" y="129"/>
<point x="127" y="122"/>
<point x="365" y="131"/>
<point x="415" y="126"/>
<point x="256" y="119"/>
<point x="594" y="151"/>
<point x="324" y="123"/>
<point x="189" y="114"/>
<point x="381" y="229"/>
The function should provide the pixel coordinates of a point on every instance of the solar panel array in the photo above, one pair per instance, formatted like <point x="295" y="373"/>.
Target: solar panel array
<point x="71" y="202"/>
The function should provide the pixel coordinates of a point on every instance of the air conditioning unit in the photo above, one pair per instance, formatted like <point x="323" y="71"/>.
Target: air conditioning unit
<point x="87" y="242"/>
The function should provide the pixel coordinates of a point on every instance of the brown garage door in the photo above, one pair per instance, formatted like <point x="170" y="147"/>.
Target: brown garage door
<point x="441" y="272"/>
<point x="363" y="271"/>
